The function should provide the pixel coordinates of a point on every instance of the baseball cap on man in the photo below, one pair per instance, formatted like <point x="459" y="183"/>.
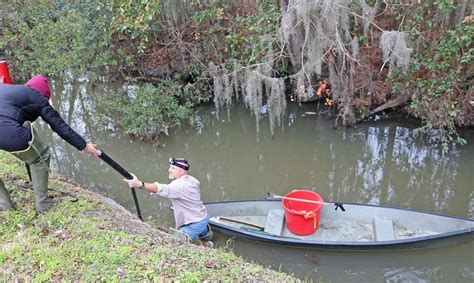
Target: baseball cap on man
<point x="40" y="84"/>
<point x="179" y="162"/>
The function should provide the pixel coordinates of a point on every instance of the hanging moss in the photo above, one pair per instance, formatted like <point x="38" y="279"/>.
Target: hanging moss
<point x="309" y="30"/>
<point x="395" y="49"/>
<point x="341" y="42"/>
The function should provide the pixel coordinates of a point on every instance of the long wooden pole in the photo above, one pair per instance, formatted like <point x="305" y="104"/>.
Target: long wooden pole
<point x="298" y="199"/>
<point x="241" y="222"/>
<point x="337" y="204"/>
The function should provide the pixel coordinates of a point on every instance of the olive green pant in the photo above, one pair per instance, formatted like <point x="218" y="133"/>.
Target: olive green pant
<point x="38" y="157"/>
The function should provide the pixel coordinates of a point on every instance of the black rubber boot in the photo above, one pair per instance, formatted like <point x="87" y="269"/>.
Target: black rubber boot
<point x="39" y="176"/>
<point x="38" y="156"/>
<point x="5" y="200"/>
<point x="209" y="236"/>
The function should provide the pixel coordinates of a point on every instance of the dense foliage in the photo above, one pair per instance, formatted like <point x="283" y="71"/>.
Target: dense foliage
<point x="52" y="37"/>
<point x="441" y="74"/>
<point x="365" y="53"/>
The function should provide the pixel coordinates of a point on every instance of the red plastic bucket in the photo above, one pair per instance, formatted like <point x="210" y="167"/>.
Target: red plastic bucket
<point x="4" y="74"/>
<point x="302" y="218"/>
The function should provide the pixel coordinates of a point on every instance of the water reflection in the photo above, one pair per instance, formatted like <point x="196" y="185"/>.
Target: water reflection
<point x="435" y="265"/>
<point x="380" y="162"/>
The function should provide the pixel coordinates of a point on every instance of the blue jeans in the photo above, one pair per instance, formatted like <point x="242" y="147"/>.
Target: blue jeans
<point x="195" y="229"/>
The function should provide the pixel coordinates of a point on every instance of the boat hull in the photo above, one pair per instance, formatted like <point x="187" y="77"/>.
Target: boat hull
<point x="350" y="230"/>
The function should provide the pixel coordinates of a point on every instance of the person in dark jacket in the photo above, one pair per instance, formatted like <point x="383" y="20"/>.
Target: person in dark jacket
<point x="20" y="105"/>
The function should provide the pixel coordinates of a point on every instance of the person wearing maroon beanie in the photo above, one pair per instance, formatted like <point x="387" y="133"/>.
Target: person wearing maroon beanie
<point x="20" y="105"/>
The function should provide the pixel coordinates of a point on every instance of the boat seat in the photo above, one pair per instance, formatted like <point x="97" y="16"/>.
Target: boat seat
<point x="274" y="223"/>
<point x="383" y="227"/>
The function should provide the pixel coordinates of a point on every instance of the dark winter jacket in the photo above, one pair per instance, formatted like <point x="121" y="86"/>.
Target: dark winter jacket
<point x="20" y="103"/>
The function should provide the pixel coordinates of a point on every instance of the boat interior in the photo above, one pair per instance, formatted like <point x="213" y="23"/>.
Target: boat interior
<point x="359" y="223"/>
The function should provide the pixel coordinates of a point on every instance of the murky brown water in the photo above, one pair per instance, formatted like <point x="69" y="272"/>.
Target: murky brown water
<point x="378" y="162"/>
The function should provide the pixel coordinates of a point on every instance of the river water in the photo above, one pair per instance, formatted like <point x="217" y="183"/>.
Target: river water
<point x="381" y="161"/>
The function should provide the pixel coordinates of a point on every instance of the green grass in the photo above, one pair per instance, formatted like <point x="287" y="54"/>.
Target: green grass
<point x="87" y="241"/>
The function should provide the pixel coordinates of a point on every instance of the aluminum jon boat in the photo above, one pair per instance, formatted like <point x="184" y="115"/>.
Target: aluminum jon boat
<point x="359" y="227"/>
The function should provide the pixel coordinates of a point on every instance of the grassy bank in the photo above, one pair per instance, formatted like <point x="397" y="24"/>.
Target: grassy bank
<point x="96" y="239"/>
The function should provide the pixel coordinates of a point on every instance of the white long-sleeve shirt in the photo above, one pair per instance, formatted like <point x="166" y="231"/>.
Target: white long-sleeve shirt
<point x="185" y="196"/>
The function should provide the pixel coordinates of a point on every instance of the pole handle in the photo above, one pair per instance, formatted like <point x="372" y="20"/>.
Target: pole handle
<point x="336" y="204"/>
<point x="124" y="173"/>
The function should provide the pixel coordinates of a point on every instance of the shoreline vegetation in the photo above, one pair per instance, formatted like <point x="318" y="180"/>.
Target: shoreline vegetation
<point x="95" y="238"/>
<point x="357" y="57"/>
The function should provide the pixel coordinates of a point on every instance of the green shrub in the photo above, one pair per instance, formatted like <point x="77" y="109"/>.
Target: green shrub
<point x="134" y="20"/>
<point x="150" y="110"/>
<point x="51" y="37"/>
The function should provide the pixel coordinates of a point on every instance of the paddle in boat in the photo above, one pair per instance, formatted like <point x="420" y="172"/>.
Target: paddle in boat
<point x="301" y="218"/>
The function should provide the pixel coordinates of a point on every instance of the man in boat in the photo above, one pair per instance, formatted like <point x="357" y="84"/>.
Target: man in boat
<point x="190" y="214"/>
<point x="20" y="105"/>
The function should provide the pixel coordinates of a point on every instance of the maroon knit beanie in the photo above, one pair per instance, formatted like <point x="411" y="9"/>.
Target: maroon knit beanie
<point x="40" y="84"/>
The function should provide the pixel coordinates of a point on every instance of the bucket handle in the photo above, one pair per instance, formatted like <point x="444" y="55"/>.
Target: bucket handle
<point x="311" y="214"/>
